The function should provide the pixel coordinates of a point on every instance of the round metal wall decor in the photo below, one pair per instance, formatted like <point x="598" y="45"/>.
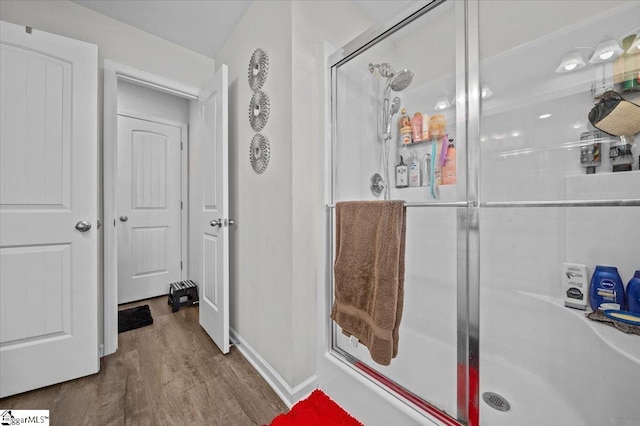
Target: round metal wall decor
<point x="259" y="110"/>
<point x="260" y="153"/>
<point x="258" y="69"/>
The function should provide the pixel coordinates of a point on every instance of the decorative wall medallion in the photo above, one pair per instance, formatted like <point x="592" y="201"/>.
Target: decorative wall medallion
<point x="260" y="153"/>
<point x="259" y="110"/>
<point x="258" y="69"/>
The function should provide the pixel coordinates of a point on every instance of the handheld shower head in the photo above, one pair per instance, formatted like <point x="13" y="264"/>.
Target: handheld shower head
<point x="401" y="80"/>
<point x="384" y="69"/>
<point x="395" y="106"/>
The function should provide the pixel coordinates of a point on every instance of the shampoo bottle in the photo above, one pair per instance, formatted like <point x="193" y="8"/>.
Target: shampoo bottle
<point x="633" y="294"/>
<point x="414" y="171"/>
<point x="426" y="135"/>
<point x="606" y="287"/>
<point x="404" y="127"/>
<point x="401" y="175"/>
<point x="416" y="125"/>
<point x="449" y="175"/>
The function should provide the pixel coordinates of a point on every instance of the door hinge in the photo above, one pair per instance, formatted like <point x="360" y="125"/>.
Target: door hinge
<point x="181" y="265"/>
<point x="100" y="350"/>
<point x="181" y="145"/>
<point x="180" y="205"/>
<point x="114" y="223"/>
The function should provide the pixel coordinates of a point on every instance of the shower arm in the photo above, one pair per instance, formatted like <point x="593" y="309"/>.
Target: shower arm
<point x="386" y="119"/>
<point x="386" y="113"/>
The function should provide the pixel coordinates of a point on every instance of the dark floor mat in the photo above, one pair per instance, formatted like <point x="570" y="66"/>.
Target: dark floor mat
<point x="130" y="319"/>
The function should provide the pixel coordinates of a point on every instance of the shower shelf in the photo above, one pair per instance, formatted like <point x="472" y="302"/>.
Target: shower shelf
<point x="627" y="345"/>
<point x="409" y="145"/>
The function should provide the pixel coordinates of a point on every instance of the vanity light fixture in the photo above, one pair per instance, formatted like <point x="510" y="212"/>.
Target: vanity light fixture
<point x="442" y="104"/>
<point x="570" y="62"/>
<point x="543" y="116"/>
<point x="486" y="91"/>
<point x="635" y="46"/>
<point x="608" y="50"/>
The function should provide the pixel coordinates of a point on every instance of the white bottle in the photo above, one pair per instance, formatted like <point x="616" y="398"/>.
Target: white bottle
<point x="575" y="285"/>
<point x="414" y="171"/>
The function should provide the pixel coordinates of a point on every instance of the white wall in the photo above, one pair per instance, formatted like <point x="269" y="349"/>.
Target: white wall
<point x="278" y="213"/>
<point x="314" y="22"/>
<point x="117" y="42"/>
<point x="260" y="249"/>
<point x="138" y="99"/>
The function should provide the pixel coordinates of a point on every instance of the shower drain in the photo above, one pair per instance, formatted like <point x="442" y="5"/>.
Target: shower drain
<point x="496" y="401"/>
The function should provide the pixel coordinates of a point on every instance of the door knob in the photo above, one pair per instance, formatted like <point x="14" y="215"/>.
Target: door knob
<point x="217" y="223"/>
<point x="123" y="218"/>
<point x="229" y="222"/>
<point x="83" y="226"/>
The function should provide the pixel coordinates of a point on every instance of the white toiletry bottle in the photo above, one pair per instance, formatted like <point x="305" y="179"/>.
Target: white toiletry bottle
<point x="575" y="285"/>
<point x="414" y="171"/>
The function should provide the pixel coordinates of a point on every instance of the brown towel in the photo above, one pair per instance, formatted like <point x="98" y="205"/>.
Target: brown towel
<point x="369" y="274"/>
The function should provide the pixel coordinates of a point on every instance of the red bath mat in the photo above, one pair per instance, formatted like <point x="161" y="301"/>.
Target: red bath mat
<point x="317" y="410"/>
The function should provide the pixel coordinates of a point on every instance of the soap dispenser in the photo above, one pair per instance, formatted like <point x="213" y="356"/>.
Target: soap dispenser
<point x="402" y="175"/>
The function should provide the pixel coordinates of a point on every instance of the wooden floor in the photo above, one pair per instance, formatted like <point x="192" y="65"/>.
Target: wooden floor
<point x="168" y="373"/>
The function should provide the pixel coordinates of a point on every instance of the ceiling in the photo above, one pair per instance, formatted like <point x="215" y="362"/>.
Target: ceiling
<point x="204" y="26"/>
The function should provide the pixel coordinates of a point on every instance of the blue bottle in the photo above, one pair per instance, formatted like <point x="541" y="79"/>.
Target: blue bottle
<point x="606" y="287"/>
<point x="633" y="294"/>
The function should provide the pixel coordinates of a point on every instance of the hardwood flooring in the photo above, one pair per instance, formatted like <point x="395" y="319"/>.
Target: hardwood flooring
<point x="168" y="373"/>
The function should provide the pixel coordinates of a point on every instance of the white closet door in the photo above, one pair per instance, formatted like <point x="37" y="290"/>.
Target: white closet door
<point x="149" y="208"/>
<point x="48" y="200"/>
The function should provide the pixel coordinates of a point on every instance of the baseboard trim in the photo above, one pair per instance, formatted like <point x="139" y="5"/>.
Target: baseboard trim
<point x="287" y="394"/>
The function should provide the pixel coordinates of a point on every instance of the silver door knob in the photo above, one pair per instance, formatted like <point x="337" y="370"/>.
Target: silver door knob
<point x="83" y="226"/>
<point x="229" y="222"/>
<point x="123" y="218"/>
<point x="217" y="223"/>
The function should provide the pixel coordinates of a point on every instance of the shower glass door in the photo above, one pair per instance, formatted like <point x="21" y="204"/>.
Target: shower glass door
<point x="549" y="196"/>
<point x="395" y="101"/>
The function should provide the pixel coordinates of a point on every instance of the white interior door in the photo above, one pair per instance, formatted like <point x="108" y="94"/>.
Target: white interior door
<point x="212" y="206"/>
<point x="149" y="208"/>
<point x="48" y="199"/>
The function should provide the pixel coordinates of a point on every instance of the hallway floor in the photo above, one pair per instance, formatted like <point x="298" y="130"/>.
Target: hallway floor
<point x="168" y="373"/>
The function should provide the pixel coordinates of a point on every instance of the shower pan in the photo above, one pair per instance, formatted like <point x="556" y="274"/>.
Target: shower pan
<point x="483" y="307"/>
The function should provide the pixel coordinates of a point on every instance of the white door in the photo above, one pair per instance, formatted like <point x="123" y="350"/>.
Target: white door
<point x="212" y="204"/>
<point x="48" y="199"/>
<point x="149" y="208"/>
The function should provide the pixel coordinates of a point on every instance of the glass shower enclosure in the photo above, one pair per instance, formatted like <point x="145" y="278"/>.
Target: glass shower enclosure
<point x="475" y="113"/>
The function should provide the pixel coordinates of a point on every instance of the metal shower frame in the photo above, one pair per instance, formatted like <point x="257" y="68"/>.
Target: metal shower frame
<point x="467" y="211"/>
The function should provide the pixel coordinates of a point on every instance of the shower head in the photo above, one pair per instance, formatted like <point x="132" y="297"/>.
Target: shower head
<point x="384" y="69"/>
<point x="401" y="80"/>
